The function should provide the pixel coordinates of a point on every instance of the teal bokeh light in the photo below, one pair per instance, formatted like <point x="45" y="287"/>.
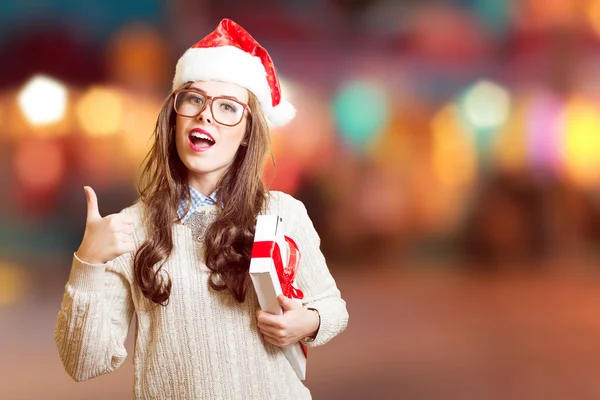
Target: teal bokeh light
<point x="361" y="110"/>
<point x="483" y="110"/>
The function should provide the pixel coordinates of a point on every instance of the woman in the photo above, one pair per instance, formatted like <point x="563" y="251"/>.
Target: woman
<point x="179" y="258"/>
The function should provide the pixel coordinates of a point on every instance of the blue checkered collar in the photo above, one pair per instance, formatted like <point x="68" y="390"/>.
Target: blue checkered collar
<point x="198" y="200"/>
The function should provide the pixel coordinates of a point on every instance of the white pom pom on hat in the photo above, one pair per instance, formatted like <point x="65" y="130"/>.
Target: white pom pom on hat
<point x="229" y="54"/>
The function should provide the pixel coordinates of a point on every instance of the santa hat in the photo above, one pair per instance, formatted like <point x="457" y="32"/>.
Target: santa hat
<point x="230" y="54"/>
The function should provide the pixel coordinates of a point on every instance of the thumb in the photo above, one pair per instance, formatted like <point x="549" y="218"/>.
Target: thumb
<point x="287" y="304"/>
<point x="92" y="204"/>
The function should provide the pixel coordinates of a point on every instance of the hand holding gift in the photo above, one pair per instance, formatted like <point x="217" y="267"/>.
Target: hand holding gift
<point x="295" y="324"/>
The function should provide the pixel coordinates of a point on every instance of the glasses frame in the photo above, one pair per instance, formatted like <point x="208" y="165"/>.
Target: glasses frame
<point x="211" y="100"/>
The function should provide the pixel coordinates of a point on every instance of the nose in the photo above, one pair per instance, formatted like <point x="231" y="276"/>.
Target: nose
<point x="206" y="114"/>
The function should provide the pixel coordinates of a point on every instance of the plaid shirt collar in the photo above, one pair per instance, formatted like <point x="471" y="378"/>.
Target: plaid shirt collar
<point x="198" y="200"/>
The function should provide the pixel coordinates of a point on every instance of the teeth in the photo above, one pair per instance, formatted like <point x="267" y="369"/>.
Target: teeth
<point x="202" y="136"/>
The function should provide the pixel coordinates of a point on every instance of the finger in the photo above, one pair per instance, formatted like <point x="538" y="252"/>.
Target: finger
<point x="278" y="332"/>
<point x="271" y="335"/>
<point x="122" y="244"/>
<point x="274" y="342"/>
<point x="267" y="318"/>
<point x="116" y="224"/>
<point x="123" y="238"/>
<point x="261" y="315"/>
<point x="125" y="228"/>
<point x="129" y="247"/>
<point x="93" y="214"/>
<point x="283" y="302"/>
<point x="125" y="247"/>
<point x="119" y="219"/>
<point x="287" y="304"/>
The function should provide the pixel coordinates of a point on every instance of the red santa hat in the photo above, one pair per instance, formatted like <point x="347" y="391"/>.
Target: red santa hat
<point x="230" y="54"/>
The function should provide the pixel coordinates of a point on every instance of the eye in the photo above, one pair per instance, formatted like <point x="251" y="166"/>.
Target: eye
<point x="228" y="106"/>
<point x="194" y="98"/>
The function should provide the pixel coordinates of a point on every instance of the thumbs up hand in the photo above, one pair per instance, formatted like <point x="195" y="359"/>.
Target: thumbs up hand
<point x="105" y="238"/>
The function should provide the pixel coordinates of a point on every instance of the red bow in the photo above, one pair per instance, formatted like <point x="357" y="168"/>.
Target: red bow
<point x="285" y="273"/>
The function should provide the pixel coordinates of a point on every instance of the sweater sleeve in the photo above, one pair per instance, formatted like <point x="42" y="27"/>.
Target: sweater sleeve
<point x="315" y="280"/>
<point x="94" y="319"/>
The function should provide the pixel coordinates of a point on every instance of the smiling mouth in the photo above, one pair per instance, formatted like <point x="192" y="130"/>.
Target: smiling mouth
<point x="200" y="141"/>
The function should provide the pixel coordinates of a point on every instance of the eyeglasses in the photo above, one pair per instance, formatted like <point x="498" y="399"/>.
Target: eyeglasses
<point x="224" y="109"/>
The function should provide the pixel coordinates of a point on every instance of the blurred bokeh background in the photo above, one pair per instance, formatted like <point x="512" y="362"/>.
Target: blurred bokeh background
<point x="448" y="153"/>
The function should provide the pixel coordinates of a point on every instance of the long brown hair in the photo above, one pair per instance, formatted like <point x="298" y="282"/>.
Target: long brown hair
<point x="228" y="240"/>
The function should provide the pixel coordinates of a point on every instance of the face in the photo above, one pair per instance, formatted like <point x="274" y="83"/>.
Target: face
<point x="206" y="147"/>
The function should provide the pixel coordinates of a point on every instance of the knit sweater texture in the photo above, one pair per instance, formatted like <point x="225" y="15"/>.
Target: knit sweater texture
<point x="203" y="344"/>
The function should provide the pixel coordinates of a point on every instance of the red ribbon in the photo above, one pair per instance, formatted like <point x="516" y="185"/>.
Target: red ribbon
<point x="285" y="273"/>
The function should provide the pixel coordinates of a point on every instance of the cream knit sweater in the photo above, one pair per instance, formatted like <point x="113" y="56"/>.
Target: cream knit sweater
<point x="203" y="344"/>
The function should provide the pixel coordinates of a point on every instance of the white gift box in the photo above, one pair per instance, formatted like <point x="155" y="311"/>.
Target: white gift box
<point x="269" y="228"/>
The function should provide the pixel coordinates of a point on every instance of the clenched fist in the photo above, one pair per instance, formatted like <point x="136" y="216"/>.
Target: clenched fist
<point x="105" y="238"/>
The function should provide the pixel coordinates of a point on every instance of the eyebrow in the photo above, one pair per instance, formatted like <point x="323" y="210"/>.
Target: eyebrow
<point x="220" y="95"/>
